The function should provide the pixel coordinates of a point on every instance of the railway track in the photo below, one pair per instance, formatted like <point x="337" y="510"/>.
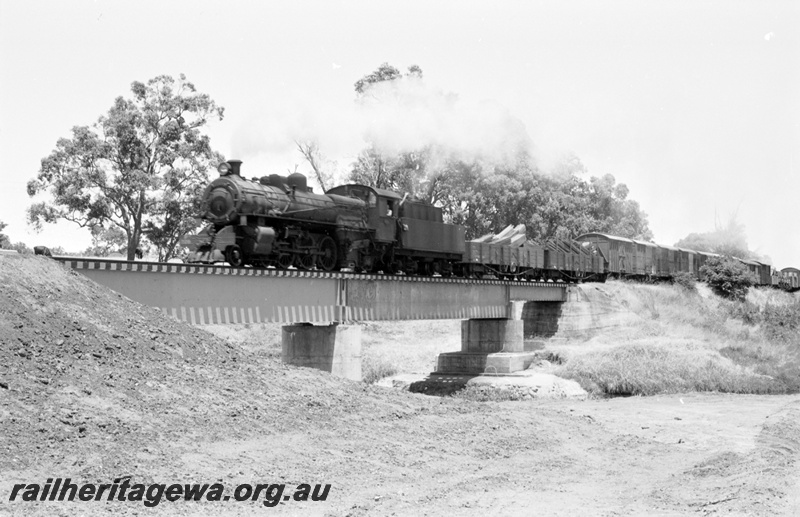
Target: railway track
<point x="81" y="263"/>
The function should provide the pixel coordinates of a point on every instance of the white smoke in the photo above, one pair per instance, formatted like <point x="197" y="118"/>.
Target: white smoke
<point x="403" y="115"/>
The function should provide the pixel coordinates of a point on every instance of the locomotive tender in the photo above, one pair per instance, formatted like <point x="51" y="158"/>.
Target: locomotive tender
<point x="279" y="221"/>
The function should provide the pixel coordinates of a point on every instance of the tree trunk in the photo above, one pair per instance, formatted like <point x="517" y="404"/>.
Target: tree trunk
<point x="133" y="243"/>
<point x="136" y="235"/>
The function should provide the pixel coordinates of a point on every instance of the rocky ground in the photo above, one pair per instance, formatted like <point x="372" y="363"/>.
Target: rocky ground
<point x="94" y="387"/>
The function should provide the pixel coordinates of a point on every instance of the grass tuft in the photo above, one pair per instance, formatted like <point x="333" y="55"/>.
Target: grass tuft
<point x="640" y="369"/>
<point x="686" y="281"/>
<point x="375" y="368"/>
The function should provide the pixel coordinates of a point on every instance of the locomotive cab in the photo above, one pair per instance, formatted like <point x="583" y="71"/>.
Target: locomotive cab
<point x="383" y="207"/>
<point x="383" y="216"/>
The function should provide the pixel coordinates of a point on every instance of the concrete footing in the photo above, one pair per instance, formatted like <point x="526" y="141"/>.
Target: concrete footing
<point x="477" y="363"/>
<point x="493" y="346"/>
<point x="332" y="348"/>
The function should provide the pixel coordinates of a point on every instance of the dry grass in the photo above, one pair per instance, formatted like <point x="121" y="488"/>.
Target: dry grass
<point x="411" y="346"/>
<point x="391" y="347"/>
<point x="375" y="368"/>
<point x="642" y="369"/>
<point x="774" y="345"/>
<point x="688" y="341"/>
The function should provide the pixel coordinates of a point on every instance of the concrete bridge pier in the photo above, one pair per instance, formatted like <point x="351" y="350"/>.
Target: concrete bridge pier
<point x="333" y="348"/>
<point x="489" y="345"/>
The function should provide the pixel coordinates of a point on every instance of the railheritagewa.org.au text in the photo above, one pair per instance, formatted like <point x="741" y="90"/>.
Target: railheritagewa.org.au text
<point x="124" y="490"/>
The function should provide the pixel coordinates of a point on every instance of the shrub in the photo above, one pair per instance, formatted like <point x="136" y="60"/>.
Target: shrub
<point x="685" y="280"/>
<point x="727" y="277"/>
<point x="746" y="311"/>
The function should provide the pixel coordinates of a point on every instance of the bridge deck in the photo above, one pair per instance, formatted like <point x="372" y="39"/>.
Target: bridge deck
<point x="219" y="294"/>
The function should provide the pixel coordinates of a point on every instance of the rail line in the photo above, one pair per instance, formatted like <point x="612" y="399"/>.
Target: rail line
<point x="205" y="269"/>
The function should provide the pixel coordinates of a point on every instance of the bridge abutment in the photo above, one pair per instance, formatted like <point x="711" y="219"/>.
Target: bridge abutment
<point x="331" y="348"/>
<point x="587" y="310"/>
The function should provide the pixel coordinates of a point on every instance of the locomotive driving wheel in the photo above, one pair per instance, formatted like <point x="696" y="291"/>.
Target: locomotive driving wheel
<point x="285" y="260"/>
<point x="327" y="254"/>
<point x="306" y="261"/>
<point x="233" y="254"/>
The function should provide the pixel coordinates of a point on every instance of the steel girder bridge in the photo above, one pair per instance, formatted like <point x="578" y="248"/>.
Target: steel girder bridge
<point x="202" y="294"/>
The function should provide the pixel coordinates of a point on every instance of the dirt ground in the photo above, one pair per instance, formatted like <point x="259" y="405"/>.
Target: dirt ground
<point x="94" y="387"/>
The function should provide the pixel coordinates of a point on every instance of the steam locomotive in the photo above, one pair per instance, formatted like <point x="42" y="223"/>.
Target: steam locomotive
<point x="278" y="221"/>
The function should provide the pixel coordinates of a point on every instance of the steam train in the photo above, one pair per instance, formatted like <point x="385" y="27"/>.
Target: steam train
<point x="278" y="221"/>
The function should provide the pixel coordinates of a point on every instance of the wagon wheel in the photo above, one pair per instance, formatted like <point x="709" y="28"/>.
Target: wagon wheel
<point x="327" y="254"/>
<point x="233" y="255"/>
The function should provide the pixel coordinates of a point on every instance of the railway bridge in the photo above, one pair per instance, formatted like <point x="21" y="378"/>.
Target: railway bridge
<point x="497" y="314"/>
<point x="203" y="294"/>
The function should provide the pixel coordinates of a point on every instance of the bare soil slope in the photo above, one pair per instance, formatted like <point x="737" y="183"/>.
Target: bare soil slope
<point x="94" y="386"/>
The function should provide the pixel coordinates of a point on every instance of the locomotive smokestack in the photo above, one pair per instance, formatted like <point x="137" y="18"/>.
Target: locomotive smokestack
<point x="235" y="166"/>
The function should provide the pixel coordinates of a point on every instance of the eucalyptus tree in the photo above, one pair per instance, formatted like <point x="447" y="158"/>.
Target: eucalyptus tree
<point x="139" y="168"/>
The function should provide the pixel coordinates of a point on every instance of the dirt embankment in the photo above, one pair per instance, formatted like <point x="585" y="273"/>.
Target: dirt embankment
<point x="95" y="387"/>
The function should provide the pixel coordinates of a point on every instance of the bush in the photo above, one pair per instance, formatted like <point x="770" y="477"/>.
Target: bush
<point x="685" y="280"/>
<point x="727" y="277"/>
<point x="748" y="312"/>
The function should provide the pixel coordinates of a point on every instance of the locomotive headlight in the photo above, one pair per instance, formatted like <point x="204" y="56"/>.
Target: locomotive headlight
<point x="224" y="168"/>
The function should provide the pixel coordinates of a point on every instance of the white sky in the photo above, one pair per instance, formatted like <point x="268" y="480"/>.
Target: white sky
<point x="694" y="105"/>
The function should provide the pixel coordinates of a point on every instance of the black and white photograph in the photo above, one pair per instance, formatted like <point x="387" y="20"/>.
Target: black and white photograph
<point x="355" y="258"/>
